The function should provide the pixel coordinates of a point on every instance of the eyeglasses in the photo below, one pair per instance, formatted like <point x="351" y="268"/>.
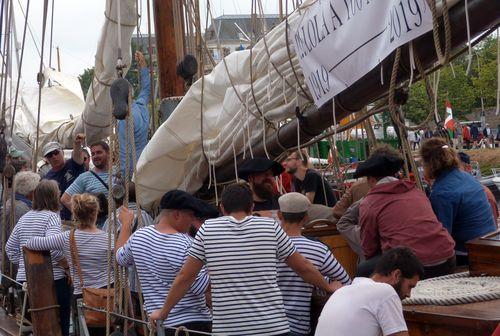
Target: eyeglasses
<point x="51" y="154"/>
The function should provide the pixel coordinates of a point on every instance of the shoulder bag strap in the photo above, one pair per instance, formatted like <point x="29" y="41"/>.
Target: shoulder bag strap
<point x="74" y="256"/>
<point x="100" y="179"/>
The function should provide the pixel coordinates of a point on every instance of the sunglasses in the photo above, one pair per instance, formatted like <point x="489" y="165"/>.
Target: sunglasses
<point x="53" y="153"/>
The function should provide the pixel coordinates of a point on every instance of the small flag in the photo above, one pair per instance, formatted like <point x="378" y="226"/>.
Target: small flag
<point x="449" y="123"/>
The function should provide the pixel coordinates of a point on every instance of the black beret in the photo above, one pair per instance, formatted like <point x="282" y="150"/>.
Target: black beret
<point x="464" y="157"/>
<point x="206" y="210"/>
<point x="259" y="165"/>
<point x="379" y="166"/>
<point x="179" y="200"/>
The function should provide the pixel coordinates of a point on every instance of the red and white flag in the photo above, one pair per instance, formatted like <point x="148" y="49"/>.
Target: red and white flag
<point x="448" y="122"/>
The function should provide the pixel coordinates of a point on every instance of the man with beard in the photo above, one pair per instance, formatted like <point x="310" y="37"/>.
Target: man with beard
<point x="308" y="181"/>
<point x="93" y="181"/>
<point x="260" y="173"/>
<point x="372" y="306"/>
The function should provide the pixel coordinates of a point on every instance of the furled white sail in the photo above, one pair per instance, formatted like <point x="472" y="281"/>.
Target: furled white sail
<point x="174" y="157"/>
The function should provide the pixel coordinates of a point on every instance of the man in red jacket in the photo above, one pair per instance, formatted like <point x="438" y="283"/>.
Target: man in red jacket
<point x="395" y="213"/>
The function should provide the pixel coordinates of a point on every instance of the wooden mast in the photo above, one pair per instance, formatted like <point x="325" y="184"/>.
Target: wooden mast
<point x="170" y="46"/>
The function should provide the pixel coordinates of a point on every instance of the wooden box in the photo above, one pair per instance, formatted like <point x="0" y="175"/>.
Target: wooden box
<point x="484" y="255"/>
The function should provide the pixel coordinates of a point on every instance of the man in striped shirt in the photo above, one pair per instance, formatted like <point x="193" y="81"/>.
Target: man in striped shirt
<point x="94" y="181"/>
<point x="241" y="253"/>
<point x="296" y="292"/>
<point x="158" y="253"/>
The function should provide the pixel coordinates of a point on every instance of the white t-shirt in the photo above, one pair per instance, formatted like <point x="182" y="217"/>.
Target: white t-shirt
<point x="365" y="308"/>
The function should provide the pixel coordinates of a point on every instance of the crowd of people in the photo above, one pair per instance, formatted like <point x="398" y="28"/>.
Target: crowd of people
<point x="245" y="268"/>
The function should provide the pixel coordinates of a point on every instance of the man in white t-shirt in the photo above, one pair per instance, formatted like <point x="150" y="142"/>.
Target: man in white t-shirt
<point x="241" y="254"/>
<point x="372" y="306"/>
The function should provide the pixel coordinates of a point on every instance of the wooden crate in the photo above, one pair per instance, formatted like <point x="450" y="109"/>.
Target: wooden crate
<point x="484" y="255"/>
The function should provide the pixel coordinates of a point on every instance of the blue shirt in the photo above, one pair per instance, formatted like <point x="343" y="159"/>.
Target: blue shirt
<point x="460" y="203"/>
<point x="88" y="183"/>
<point x="64" y="178"/>
<point x="140" y="114"/>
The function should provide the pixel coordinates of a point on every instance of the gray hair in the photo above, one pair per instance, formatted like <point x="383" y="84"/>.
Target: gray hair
<point x="25" y="182"/>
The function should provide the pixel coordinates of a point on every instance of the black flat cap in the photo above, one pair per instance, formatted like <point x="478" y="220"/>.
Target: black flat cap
<point x="259" y="165"/>
<point x="379" y="166"/>
<point x="179" y="200"/>
<point x="206" y="210"/>
<point x="464" y="157"/>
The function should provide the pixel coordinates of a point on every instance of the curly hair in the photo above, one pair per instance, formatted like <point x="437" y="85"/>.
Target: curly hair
<point x="25" y="182"/>
<point x="85" y="208"/>
<point x="437" y="157"/>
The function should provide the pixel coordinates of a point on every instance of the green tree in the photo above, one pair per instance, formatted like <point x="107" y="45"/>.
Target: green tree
<point x="86" y="80"/>
<point x="464" y="91"/>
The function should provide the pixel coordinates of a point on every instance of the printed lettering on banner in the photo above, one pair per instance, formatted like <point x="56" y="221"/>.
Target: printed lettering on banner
<point x="339" y="41"/>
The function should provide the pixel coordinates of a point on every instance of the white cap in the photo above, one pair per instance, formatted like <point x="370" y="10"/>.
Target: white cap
<point x="294" y="202"/>
<point x="50" y="147"/>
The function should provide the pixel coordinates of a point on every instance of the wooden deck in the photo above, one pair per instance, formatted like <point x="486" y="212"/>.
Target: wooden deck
<point x="472" y="319"/>
<point x="8" y="326"/>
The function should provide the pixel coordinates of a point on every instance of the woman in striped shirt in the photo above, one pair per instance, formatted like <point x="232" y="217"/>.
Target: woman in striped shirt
<point x="43" y="221"/>
<point x="92" y="246"/>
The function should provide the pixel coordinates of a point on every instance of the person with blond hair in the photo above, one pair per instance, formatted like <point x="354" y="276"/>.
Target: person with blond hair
<point x="457" y="198"/>
<point x="43" y="222"/>
<point x="91" y="246"/>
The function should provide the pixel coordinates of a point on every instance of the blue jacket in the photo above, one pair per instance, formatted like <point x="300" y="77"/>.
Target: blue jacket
<point x="140" y="113"/>
<point x="460" y="204"/>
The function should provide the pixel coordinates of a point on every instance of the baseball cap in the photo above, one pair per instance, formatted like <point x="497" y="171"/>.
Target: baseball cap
<point x="50" y="147"/>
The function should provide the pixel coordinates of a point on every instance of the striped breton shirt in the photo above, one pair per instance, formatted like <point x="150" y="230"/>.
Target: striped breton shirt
<point x="146" y="221"/>
<point x="296" y="292"/>
<point x="158" y="258"/>
<point x="241" y="257"/>
<point x="92" y="252"/>
<point x="88" y="183"/>
<point x="34" y="223"/>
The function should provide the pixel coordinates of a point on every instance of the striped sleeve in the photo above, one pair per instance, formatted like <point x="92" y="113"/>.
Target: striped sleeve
<point x="201" y="283"/>
<point x="285" y="246"/>
<point x="77" y="186"/>
<point x="54" y="227"/>
<point x="332" y="269"/>
<point x="197" y="249"/>
<point x="13" y="248"/>
<point x="124" y="255"/>
<point x="53" y="242"/>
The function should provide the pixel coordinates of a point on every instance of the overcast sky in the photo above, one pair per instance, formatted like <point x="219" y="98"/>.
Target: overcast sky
<point x="77" y="26"/>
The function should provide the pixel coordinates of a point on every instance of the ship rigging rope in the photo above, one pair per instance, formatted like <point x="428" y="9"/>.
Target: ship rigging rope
<point x="304" y="92"/>
<point x="497" y="112"/>
<point x="13" y="118"/>
<point x="40" y="80"/>
<point x="151" y="71"/>
<point x="231" y="81"/>
<point x="6" y="58"/>
<point x="264" y="40"/>
<point x="443" y="58"/>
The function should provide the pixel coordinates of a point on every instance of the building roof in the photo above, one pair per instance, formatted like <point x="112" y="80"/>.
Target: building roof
<point x="227" y="27"/>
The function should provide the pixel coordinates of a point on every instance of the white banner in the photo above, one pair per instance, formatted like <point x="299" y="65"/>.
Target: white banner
<point x="339" y="41"/>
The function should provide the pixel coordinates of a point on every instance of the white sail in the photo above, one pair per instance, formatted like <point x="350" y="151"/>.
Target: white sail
<point x="63" y="111"/>
<point x="174" y="157"/>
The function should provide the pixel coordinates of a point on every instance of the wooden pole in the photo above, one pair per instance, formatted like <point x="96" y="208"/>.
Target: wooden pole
<point x="41" y="293"/>
<point x="58" y="60"/>
<point x="167" y="46"/>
